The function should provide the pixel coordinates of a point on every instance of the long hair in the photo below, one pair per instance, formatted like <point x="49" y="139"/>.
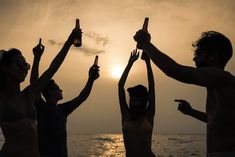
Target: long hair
<point x="5" y="62"/>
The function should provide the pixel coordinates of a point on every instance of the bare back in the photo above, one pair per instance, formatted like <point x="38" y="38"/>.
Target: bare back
<point x="137" y="136"/>
<point x="20" y="138"/>
<point x="220" y="108"/>
<point x="18" y="124"/>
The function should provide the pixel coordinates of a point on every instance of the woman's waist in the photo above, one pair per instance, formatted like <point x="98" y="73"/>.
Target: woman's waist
<point x="20" y="132"/>
<point x="23" y="141"/>
<point x="142" y="128"/>
<point x="15" y="149"/>
<point x="138" y="141"/>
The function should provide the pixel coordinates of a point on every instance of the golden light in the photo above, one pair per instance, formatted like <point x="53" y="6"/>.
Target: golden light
<point x="116" y="71"/>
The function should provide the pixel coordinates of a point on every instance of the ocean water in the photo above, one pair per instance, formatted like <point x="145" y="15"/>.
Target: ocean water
<point x="111" y="145"/>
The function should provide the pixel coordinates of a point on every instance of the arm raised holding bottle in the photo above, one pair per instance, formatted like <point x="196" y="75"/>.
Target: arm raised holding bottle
<point x="36" y="87"/>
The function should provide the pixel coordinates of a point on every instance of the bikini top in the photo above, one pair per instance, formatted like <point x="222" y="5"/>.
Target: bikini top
<point x="9" y="112"/>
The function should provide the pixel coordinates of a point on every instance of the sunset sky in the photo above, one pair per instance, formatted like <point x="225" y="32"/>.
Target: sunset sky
<point x="108" y="27"/>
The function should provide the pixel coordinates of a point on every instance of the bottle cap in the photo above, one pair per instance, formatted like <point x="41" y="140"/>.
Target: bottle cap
<point x="77" y="24"/>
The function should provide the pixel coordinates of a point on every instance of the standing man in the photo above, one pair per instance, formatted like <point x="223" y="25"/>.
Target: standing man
<point x="212" y="52"/>
<point x="51" y="116"/>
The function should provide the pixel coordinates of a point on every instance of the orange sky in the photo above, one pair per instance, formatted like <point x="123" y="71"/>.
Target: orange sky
<point x="109" y="26"/>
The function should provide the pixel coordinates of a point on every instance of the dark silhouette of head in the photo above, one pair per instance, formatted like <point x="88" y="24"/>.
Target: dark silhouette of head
<point x="13" y="65"/>
<point x="212" y="49"/>
<point x="138" y="100"/>
<point x="52" y="91"/>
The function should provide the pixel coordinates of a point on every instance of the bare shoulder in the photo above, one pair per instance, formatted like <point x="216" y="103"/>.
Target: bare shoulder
<point x="29" y="94"/>
<point x="212" y="77"/>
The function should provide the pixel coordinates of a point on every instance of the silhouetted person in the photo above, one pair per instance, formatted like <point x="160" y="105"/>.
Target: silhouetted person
<point x="17" y="111"/>
<point x="212" y="52"/>
<point x="186" y="108"/>
<point x="51" y="116"/>
<point x="138" y="117"/>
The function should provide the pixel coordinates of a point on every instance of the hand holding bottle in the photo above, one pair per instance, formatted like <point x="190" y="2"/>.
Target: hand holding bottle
<point x="139" y="44"/>
<point x="94" y="70"/>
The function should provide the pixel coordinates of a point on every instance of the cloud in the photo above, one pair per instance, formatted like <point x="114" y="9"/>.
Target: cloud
<point x="53" y="42"/>
<point x="88" y="50"/>
<point x="97" y="38"/>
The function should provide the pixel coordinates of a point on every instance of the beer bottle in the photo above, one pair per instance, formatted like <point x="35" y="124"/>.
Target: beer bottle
<point x="144" y="28"/>
<point x="139" y="46"/>
<point x="78" y="37"/>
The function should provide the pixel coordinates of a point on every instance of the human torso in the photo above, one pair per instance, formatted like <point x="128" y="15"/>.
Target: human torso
<point x="220" y="107"/>
<point x="18" y="124"/>
<point x="137" y="136"/>
<point x="52" y="130"/>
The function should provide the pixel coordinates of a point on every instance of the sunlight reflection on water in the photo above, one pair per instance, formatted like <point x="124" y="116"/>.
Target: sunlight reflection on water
<point x="111" y="145"/>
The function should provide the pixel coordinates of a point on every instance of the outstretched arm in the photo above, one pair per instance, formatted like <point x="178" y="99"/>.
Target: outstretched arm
<point x="206" y="76"/>
<point x="40" y="83"/>
<point x="70" y="106"/>
<point x="151" y="92"/>
<point x="37" y="52"/>
<point x="186" y="108"/>
<point x="121" y="91"/>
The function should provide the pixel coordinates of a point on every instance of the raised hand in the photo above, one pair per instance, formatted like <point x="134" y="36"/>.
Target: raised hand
<point x="39" y="49"/>
<point x="134" y="56"/>
<point x="94" y="72"/>
<point x="184" y="106"/>
<point x="75" y="33"/>
<point x="142" y="36"/>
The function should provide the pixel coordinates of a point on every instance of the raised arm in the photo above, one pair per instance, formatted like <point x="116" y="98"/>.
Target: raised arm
<point x="70" y="106"/>
<point x="186" y="108"/>
<point x="38" y="85"/>
<point x="151" y="88"/>
<point x="37" y="52"/>
<point x="121" y="91"/>
<point x="208" y="76"/>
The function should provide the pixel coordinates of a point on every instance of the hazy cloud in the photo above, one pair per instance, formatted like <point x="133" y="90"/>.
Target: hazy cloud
<point x="97" y="38"/>
<point x="53" y="42"/>
<point x="88" y="51"/>
<point x="100" y="42"/>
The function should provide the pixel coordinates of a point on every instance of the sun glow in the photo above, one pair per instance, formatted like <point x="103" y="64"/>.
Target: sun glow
<point x="116" y="71"/>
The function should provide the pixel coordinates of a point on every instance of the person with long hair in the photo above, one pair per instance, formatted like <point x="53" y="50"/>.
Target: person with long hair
<point x="17" y="111"/>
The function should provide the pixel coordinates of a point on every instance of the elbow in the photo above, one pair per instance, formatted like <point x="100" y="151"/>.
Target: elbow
<point x="170" y="73"/>
<point x="175" y="71"/>
<point x="170" y="68"/>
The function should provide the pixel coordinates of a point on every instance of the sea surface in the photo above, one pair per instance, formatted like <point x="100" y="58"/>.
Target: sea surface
<point x="111" y="145"/>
